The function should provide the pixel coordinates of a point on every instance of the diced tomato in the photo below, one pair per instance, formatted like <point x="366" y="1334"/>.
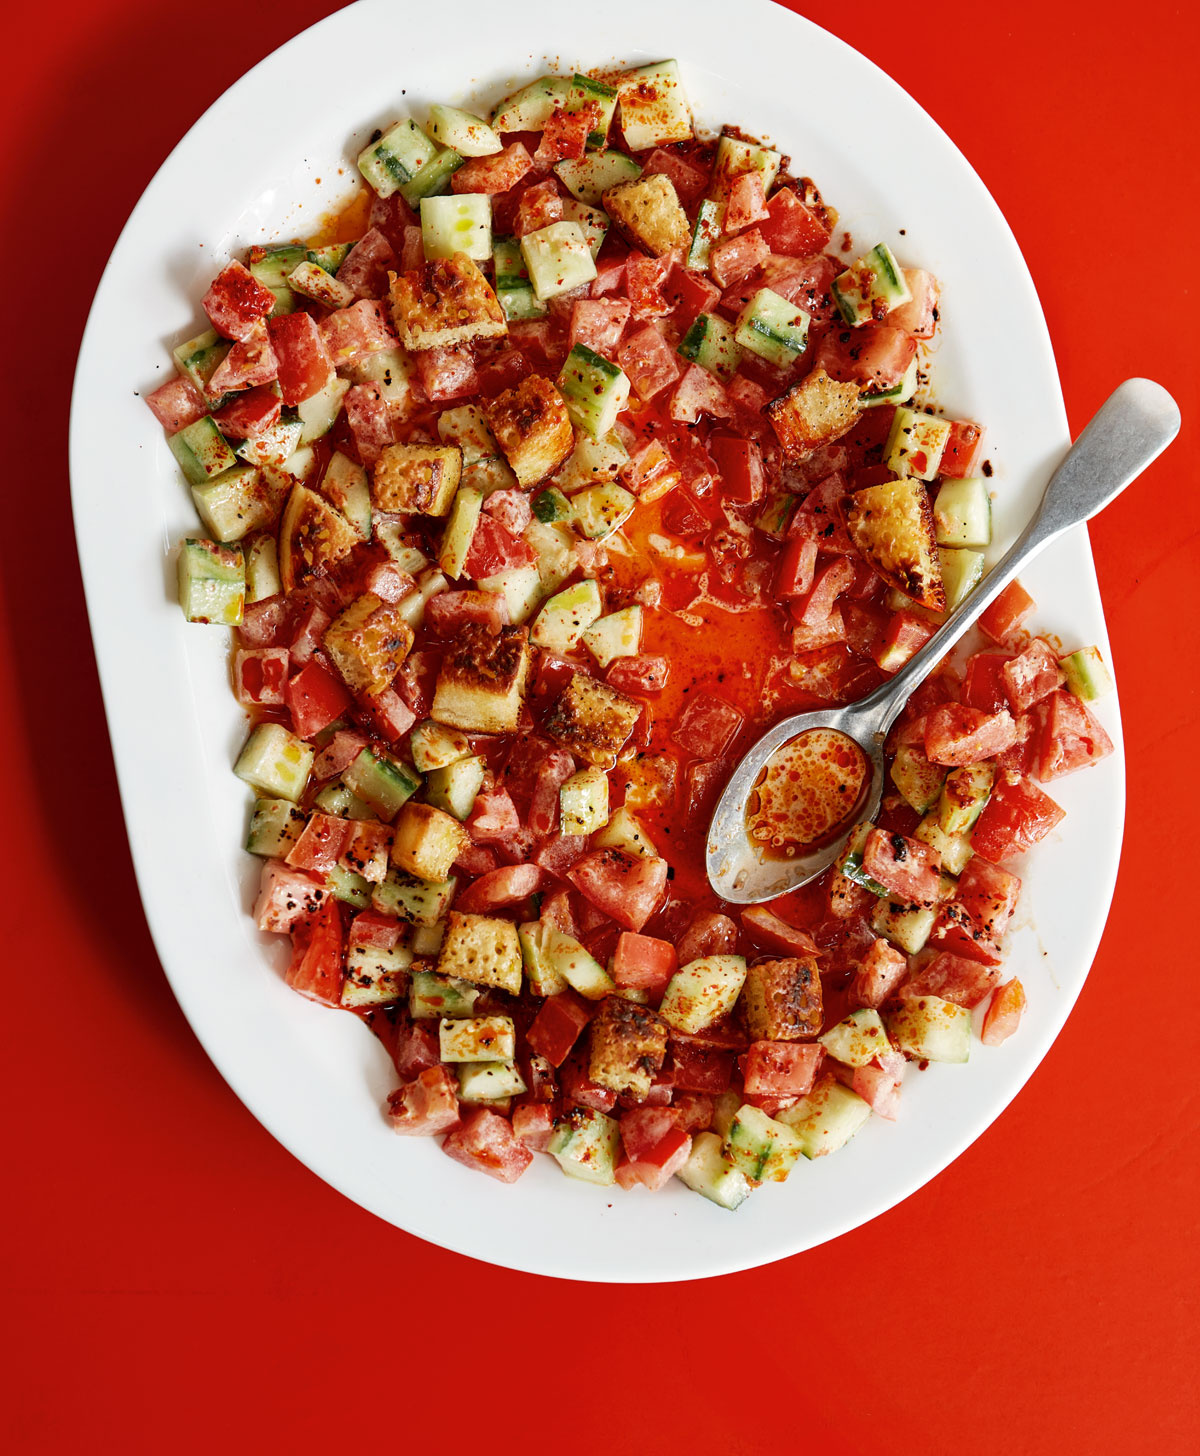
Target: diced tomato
<point x="533" y="1124"/>
<point x="493" y="816"/>
<point x="688" y="179"/>
<point x="610" y="274"/>
<point x="649" y="361"/>
<point x="368" y="849"/>
<point x="447" y="373"/>
<point x="486" y="1142"/>
<point x="366" y="266"/>
<point x="1001" y="619"/>
<point x="880" y="971"/>
<point x="579" y="1089"/>
<point x="260" y="676"/>
<point x="958" y="735"/>
<point x="1015" y="818"/>
<point x="698" y="1068"/>
<point x="1031" y="676"/>
<point x="702" y="780"/>
<point x="878" y="1088"/>
<point x="352" y="333"/>
<point x="286" y="896"/>
<point x="626" y="887"/>
<point x="792" y="228"/>
<point x="960" y="458"/>
<point x="954" y="930"/>
<point x="644" y="963"/>
<point x="369" y="420"/>
<point x="556" y="1027"/>
<point x="693" y="1110"/>
<point x="777" y="934"/>
<point x="338" y="754"/>
<point x="741" y="467"/>
<point x="387" y="581"/>
<point x="707" y="726"/>
<point x="645" y="280"/>
<point x="1070" y="739"/>
<point x="497" y="173"/>
<point x="906" y="634"/>
<point x="952" y="978"/>
<point x="176" y="404"/>
<point x="983" y="681"/>
<point x="315" y="969"/>
<point x="315" y="699"/>
<point x="876" y="356"/>
<point x="816" y="614"/>
<point x="557" y="767"/>
<point x="1004" y="1014"/>
<point x="506" y="886"/>
<point x="236" y="301"/>
<point x="511" y="508"/>
<point x="734" y="258"/>
<point x="561" y="852"/>
<point x="392" y="216"/>
<point x="305" y="367"/>
<point x="919" y="316"/>
<point x="250" y="362"/>
<point x="494" y="548"/>
<point x="321" y="843"/>
<point x="781" y="1068"/>
<point x="565" y="134"/>
<point x="412" y="250"/>
<point x="746" y="203"/>
<point x="908" y="868"/>
<point x="819" y="517"/>
<point x="475" y="859"/>
<point x="426" y="1106"/>
<point x="599" y="323"/>
<point x="540" y="205"/>
<point x="657" y="1171"/>
<point x="417" y="1048"/>
<point x="692" y="294"/>
<point x="378" y="932"/>
<point x="309" y="628"/>
<point x="644" y="1128"/>
<point x="640" y="674"/>
<point x="709" y="933"/>
<point x="250" y="413"/>
<point x="449" y="612"/>
<point x="264" y="623"/>
<point x="387" y="714"/>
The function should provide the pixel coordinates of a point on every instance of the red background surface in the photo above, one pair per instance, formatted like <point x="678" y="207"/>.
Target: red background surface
<point x="175" y="1280"/>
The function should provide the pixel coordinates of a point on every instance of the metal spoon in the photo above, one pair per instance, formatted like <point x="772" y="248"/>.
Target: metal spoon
<point x="1133" y="426"/>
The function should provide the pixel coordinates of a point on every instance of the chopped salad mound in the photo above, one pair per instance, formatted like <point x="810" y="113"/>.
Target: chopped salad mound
<point x="578" y="451"/>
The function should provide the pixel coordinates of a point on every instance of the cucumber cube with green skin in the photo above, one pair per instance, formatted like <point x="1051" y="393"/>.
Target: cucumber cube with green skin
<point x="858" y="1039"/>
<point x="530" y="108"/>
<point x="710" y="342"/>
<point x="459" y="223"/>
<point x="513" y="288"/>
<point x="346" y="487"/>
<point x="962" y="571"/>
<point x="773" y="328"/>
<point x="336" y="799"/>
<point x="850" y="867"/>
<point x="963" y="797"/>
<point x="460" y="530"/>
<point x="1087" y="676"/>
<point x="919" y="781"/>
<point x="930" y="1029"/>
<point x="827" y="1118"/>
<point x="916" y="444"/>
<point x="705" y="233"/>
<point x="453" y="789"/>
<point x="383" y="782"/>
<point x="708" y="1172"/>
<point x="906" y="926"/>
<point x="585" y="1144"/>
<point x="962" y="513"/>
<point x="318" y="413"/>
<point x="277" y="263"/>
<point x="432" y="997"/>
<point x="564" y="956"/>
<point x="488" y="1082"/>
<point x="311" y="280"/>
<point x="584" y="91"/>
<point x="588" y="178"/>
<point x="599" y="510"/>
<point x="624" y="831"/>
<point x="275" y="445"/>
<point x="593" y="223"/>
<point x="262" y="570"/>
<point x="393" y="160"/>
<point x="617" y="635"/>
<point x="466" y="427"/>
<point x="896" y="393"/>
<point x="463" y="132"/>
<point x="521" y="588"/>
<point x="955" y="849"/>
<point x="543" y="979"/>
<point x="654" y="106"/>
<point x="477" y="1039"/>
<point x="871" y="287"/>
<point x="275" y="826"/>
<point x="564" y="619"/>
<point x="374" y="976"/>
<point x="593" y="462"/>
<point x="201" y="451"/>
<point x="432" y="179"/>
<point x="197" y="359"/>
<point x="558" y="259"/>
<point x="424" y="902"/>
<point x="702" y="992"/>
<point x="734" y="157"/>
<point x="349" y="887"/>
<point x="776" y="515"/>
<point x="435" y="746"/>
<point x="275" y="762"/>
<point x="212" y="582"/>
<point x="759" y="1147"/>
<point x="427" y="939"/>
<point x="330" y="257"/>
<point x="583" y="801"/>
<point x="843" y="896"/>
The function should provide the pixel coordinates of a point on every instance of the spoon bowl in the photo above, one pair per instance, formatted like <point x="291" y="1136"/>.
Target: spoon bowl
<point x="1131" y="429"/>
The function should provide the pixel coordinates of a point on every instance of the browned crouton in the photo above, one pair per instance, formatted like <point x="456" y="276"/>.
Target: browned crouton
<point x="312" y="537"/>
<point x="368" y="642"/>
<point x="648" y="212"/>
<point x="782" y="999"/>
<point x="532" y="427"/>
<point x="813" y="412"/>
<point x="592" y="720"/>
<point x="482" y="949"/>
<point x="481" y="683"/>
<point x="892" y="525"/>
<point x="420" y="479"/>
<point x="444" y="302"/>
<point x="628" y="1044"/>
<point x="428" y="841"/>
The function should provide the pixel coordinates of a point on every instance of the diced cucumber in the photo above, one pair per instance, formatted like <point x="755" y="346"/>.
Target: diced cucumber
<point x="775" y="516"/>
<point x="478" y="1039"/>
<point x="466" y="427"/>
<point x="212" y="582"/>
<point x="724" y="1111"/>
<point x="454" y="788"/>
<point x="1087" y="675"/>
<point x="272" y="266"/>
<point x="382" y="781"/>
<point x="530" y="108"/>
<point x="919" y="781"/>
<point x="424" y="902"/>
<point x="457" y="224"/>
<point x="488" y="1082"/>
<point x="773" y="328"/>
<point x="411" y="609"/>
<point x="555" y="546"/>
<point x="427" y="939"/>
<point x="275" y="445"/>
<point x="544" y="980"/>
<point x="319" y="411"/>
<point x="931" y="1029"/>
<point x="197" y="359"/>
<point x="592" y="221"/>
<point x="591" y="462"/>
<point x="431" y="997"/>
<point x="435" y="746"/>
<point x="513" y="287"/>
<point x="624" y="831"/>
<point x="843" y="896"/>
<point x="394" y="160"/>
<point x="599" y="510"/>
<point x="331" y="257"/>
<point x="759" y="1147"/>
<point x="617" y="635"/>
<point x="488" y="475"/>
<point x="962" y="513"/>
<point x="201" y="450"/>
<point x="391" y="370"/>
<point x="375" y="977"/>
<point x="594" y="389"/>
<point x="857" y="1039"/>
<point x="702" y="992"/>
<point x="262" y="570"/>
<point x="654" y="106"/>
<point x="463" y="131"/>
<point x="905" y="926"/>
<point x="827" y="1118"/>
<point x="349" y="887"/>
<point x="558" y="259"/>
<point x="850" y="865"/>
<point x="585" y="1143"/>
<point x="871" y="287"/>
<point x="963" y="797"/>
<point x="916" y="443"/>
<point x="708" y="1172"/>
<point x="705" y="233"/>
<point x="955" y="849"/>
<point x="434" y="179"/>
<point x="564" y="619"/>
<point x="962" y="571"/>
<point x="275" y="826"/>
<point x="460" y="530"/>
<point x="734" y="157"/>
<point x="710" y="342"/>
<point x="583" y="92"/>
<point x="564" y="956"/>
<point x="392" y="537"/>
<point x="311" y="280"/>
<point x="345" y="486"/>
<point x="521" y="588"/>
<point x="336" y="799"/>
<point x="588" y="178"/>
<point x="583" y="801"/>
<point x="896" y="393"/>
<point x="275" y="762"/>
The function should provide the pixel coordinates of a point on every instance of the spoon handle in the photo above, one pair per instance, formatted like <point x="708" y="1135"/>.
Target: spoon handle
<point x="1131" y="428"/>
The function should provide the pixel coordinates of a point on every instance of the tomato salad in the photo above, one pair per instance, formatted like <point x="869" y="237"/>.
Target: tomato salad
<point x="575" y="453"/>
